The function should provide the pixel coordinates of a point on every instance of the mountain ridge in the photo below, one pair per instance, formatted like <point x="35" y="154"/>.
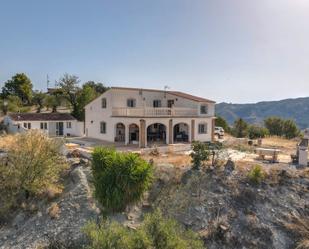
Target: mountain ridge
<point x="254" y="113"/>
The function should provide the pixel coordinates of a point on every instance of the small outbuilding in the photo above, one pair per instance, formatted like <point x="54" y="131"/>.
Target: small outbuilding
<point x="53" y="124"/>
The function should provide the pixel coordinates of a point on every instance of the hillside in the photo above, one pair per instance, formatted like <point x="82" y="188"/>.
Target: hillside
<point x="297" y="109"/>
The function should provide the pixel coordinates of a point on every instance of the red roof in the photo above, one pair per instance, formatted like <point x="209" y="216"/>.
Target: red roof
<point x="54" y="116"/>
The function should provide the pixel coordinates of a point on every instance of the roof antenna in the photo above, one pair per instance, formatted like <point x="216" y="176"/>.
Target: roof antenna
<point x="47" y="81"/>
<point x="166" y="87"/>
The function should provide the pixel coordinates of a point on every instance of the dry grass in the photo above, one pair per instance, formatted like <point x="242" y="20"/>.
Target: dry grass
<point x="53" y="192"/>
<point x="177" y="160"/>
<point x="300" y="226"/>
<point x="287" y="146"/>
<point x="6" y="142"/>
<point x="54" y="211"/>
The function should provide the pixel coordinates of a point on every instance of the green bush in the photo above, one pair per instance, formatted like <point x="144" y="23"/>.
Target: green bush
<point x="256" y="174"/>
<point x="281" y="127"/>
<point x="32" y="165"/>
<point x="155" y="232"/>
<point x="200" y="153"/>
<point x="255" y="131"/>
<point x="119" y="178"/>
<point x="221" y="122"/>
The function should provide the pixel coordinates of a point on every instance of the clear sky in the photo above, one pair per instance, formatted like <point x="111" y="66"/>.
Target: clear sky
<point x="227" y="50"/>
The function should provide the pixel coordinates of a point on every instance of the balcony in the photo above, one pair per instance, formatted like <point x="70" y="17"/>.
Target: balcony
<point x="154" y="112"/>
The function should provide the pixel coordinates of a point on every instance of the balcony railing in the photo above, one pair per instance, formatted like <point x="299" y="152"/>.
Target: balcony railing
<point x="153" y="112"/>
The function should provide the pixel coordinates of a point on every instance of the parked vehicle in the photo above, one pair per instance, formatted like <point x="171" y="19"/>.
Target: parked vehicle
<point x="219" y="131"/>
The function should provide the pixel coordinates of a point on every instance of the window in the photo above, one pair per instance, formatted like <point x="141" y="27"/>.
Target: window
<point x="103" y="127"/>
<point x="204" y="109"/>
<point x="69" y="125"/>
<point x="25" y="125"/>
<point x="43" y="126"/>
<point x="157" y="103"/>
<point x="29" y="125"/>
<point x="202" y="128"/>
<point x="131" y="102"/>
<point x="103" y="103"/>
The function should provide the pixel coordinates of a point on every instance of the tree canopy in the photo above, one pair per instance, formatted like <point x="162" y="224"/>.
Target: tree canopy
<point x="19" y="85"/>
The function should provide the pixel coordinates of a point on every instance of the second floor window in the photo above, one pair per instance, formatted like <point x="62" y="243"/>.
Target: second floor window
<point x="102" y="127"/>
<point x="103" y="103"/>
<point x="204" y="109"/>
<point x="156" y="103"/>
<point x="131" y="103"/>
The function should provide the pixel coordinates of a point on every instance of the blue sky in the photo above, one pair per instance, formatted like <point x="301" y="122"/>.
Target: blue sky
<point x="227" y="50"/>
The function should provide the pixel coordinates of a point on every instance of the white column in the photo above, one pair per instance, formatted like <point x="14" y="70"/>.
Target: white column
<point x="126" y="134"/>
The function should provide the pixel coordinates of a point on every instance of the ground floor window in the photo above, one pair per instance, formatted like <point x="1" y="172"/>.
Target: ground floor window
<point x="202" y="128"/>
<point x="103" y="127"/>
<point x="27" y="125"/>
<point x="43" y="126"/>
<point x="69" y="125"/>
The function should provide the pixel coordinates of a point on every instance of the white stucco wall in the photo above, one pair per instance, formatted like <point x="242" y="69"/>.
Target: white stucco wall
<point x="76" y="129"/>
<point x="95" y="114"/>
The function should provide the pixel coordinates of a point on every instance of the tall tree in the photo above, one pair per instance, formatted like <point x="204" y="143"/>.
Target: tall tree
<point x="290" y="129"/>
<point x="98" y="87"/>
<point x="84" y="96"/>
<point x="274" y="125"/>
<point x="38" y="100"/>
<point x="53" y="101"/>
<point x="20" y="85"/>
<point x="240" y="128"/>
<point x="221" y="122"/>
<point x="69" y="85"/>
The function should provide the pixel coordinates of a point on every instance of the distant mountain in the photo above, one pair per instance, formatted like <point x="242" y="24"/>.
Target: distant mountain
<point x="297" y="109"/>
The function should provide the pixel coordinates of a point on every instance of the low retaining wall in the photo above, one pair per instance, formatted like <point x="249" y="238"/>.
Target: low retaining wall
<point x="170" y="148"/>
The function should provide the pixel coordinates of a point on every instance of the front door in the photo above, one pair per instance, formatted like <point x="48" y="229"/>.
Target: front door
<point x="59" y="128"/>
<point x="170" y="103"/>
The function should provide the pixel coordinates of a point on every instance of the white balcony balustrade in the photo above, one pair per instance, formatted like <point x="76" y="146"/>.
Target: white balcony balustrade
<point x="154" y="112"/>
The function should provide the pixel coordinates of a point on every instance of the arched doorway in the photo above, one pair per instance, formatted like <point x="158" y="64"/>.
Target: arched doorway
<point x="133" y="134"/>
<point x="181" y="133"/>
<point x="120" y="132"/>
<point x="156" y="133"/>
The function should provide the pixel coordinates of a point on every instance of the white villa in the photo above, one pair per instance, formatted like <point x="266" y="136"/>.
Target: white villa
<point x="146" y="116"/>
<point x="53" y="124"/>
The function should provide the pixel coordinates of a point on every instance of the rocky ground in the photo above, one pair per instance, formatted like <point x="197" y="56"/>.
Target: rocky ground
<point x="59" y="221"/>
<point x="220" y="203"/>
<point x="231" y="212"/>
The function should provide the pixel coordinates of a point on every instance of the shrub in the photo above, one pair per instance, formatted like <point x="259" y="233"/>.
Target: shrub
<point x="256" y="174"/>
<point x="200" y="153"/>
<point x="255" y="131"/>
<point x="155" y="232"/>
<point x="119" y="178"/>
<point x="33" y="164"/>
<point x="281" y="127"/>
